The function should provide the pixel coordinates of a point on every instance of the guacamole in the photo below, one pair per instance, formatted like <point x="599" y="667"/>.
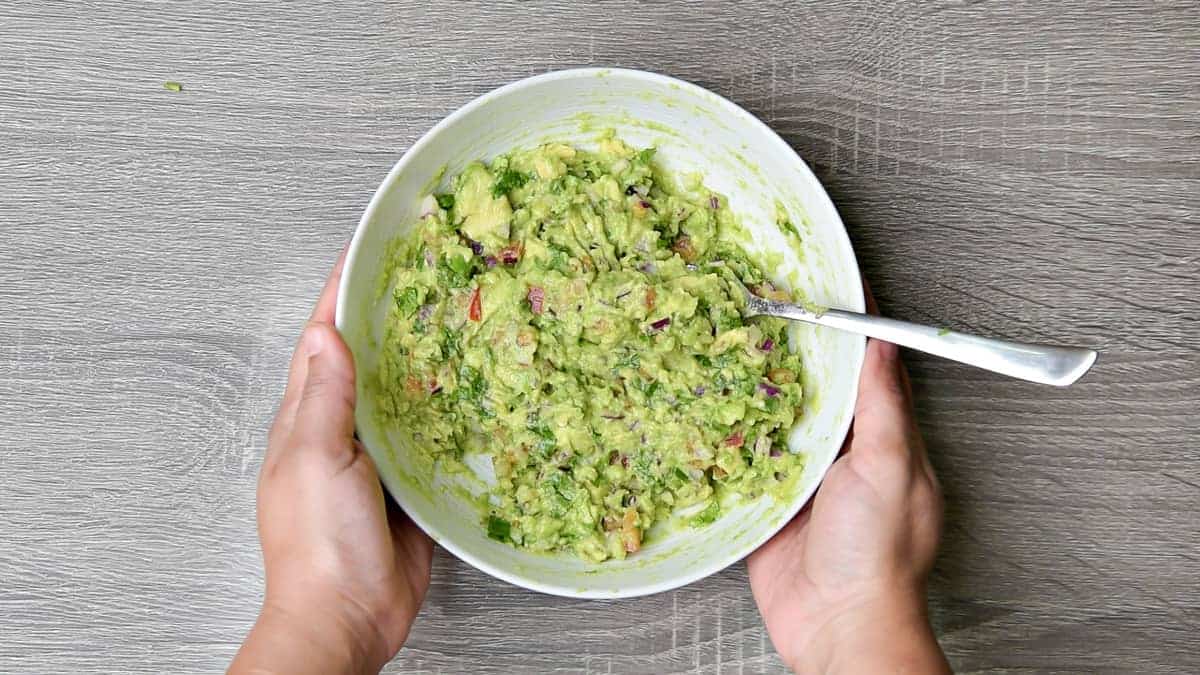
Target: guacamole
<point x="569" y="315"/>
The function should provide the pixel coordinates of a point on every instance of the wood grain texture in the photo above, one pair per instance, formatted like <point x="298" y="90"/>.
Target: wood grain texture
<point x="1028" y="170"/>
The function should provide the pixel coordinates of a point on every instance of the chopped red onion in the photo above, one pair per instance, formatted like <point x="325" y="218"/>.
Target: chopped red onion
<point x="769" y="390"/>
<point x="735" y="440"/>
<point x="762" y="445"/>
<point x="490" y="261"/>
<point x="425" y="312"/>
<point x="644" y="204"/>
<point x="429" y="206"/>
<point x="767" y="345"/>
<point x="537" y="297"/>
<point x="699" y="391"/>
<point x="776" y="452"/>
<point x="661" y="323"/>
<point x="476" y="247"/>
<point x="649" y="268"/>
<point x="714" y="202"/>
<point x="511" y="254"/>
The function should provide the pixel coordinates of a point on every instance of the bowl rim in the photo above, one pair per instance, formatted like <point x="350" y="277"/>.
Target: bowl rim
<point x="715" y="564"/>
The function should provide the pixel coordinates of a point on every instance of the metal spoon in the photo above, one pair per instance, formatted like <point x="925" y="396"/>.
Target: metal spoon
<point x="1045" y="364"/>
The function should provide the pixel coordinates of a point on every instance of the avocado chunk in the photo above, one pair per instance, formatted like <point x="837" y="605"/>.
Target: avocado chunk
<point x="481" y="216"/>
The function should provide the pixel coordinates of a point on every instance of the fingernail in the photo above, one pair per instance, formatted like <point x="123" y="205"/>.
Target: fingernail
<point x="314" y="340"/>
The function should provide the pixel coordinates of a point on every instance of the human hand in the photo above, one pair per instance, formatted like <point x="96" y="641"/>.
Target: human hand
<point x="842" y="587"/>
<point x="345" y="577"/>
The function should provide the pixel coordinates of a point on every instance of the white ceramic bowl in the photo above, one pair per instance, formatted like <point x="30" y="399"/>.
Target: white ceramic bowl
<point x="694" y="131"/>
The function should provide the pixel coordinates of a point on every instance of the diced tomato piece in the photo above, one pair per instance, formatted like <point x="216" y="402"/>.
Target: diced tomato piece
<point x="412" y="384"/>
<point x="631" y="536"/>
<point x="683" y="246"/>
<point x="736" y="440"/>
<point x="651" y="297"/>
<point x="475" y="313"/>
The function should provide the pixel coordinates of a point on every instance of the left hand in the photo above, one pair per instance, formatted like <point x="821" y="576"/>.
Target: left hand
<point x="345" y="577"/>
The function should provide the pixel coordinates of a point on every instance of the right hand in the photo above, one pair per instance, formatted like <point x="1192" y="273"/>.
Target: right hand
<point x="842" y="587"/>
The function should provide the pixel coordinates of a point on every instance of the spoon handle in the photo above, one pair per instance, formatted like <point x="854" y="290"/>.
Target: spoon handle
<point x="1045" y="364"/>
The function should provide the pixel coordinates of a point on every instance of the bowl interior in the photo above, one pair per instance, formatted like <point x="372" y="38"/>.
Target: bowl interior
<point x="694" y="131"/>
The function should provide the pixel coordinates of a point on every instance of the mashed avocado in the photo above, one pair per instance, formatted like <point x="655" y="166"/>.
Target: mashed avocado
<point x="569" y="314"/>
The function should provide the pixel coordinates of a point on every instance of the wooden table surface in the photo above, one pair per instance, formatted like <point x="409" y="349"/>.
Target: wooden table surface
<point x="1029" y="170"/>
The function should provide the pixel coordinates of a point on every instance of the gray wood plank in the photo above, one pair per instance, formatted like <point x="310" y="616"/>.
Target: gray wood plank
<point x="1028" y="170"/>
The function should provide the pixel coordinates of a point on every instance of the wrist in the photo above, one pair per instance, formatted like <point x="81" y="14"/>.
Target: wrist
<point x="882" y="631"/>
<point x="312" y="638"/>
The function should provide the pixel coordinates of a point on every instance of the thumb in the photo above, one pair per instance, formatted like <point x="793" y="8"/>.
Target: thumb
<point x="325" y="416"/>
<point x="883" y="412"/>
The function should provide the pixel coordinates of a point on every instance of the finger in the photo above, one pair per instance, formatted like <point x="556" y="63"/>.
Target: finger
<point x="325" y="413"/>
<point x="327" y="302"/>
<point x="286" y="416"/>
<point x="322" y="312"/>
<point x="883" y="411"/>
<point x="872" y="308"/>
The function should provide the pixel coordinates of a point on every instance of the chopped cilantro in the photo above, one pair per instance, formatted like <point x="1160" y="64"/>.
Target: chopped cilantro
<point x="729" y="321"/>
<point x="456" y="271"/>
<point x="445" y="201"/>
<point x="471" y="386"/>
<point x="499" y="529"/>
<point x="708" y="515"/>
<point x="562" y="484"/>
<point x="172" y="85"/>
<point x="560" y="260"/>
<point x="509" y="180"/>
<point x="546" y="441"/>
<point x="451" y="343"/>
<point x="407" y="301"/>
<point x="629" y="359"/>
